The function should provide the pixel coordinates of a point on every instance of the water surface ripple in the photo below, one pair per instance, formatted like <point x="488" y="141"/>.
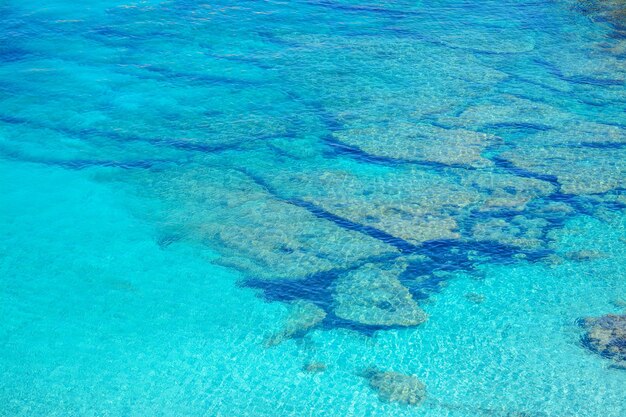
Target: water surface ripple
<point x="314" y="207"/>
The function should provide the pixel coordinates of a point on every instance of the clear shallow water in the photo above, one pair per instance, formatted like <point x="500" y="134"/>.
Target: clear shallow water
<point x="179" y="179"/>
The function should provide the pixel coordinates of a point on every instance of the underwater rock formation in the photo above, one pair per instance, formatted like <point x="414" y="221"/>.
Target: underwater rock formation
<point x="572" y="169"/>
<point x="411" y="205"/>
<point x="613" y="11"/>
<point x="374" y="296"/>
<point x="553" y="260"/>
<point x="579" y="132"/>
<point x="606" y="335"/>
<point x="303" y="316"/>
<point x="421" y="142"/>
<point x="406" y="59"/>
<point x="521" y="232"/>
<point x="585" y="255"/>
<point x="509" y="110"/>
<point x="256" y="233"/>
<point x="396" y="387"/>
<point x="314" y="367"/>
<point x="282" y="241"/>
<point x="475" y="297"/>
<point x="505" y="191"/>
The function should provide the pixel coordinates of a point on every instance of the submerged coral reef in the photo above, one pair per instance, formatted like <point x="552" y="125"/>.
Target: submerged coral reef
<point x="396" y="387"/>
<point x="414" y="142"/>
<point x="606" y="335"/>
<point x="374" y="296"/>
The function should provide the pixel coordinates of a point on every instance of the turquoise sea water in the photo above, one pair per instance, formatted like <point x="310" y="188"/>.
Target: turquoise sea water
<point x="234" y="208"/>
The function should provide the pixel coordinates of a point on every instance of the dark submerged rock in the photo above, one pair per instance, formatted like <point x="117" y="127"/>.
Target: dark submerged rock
<point x="396" y="387"/>
<point x="606" y="335"/>
<point x="374" y="296"/>
<point x="314" y="367"/>
<point x="475" y="297"/>
<point x="585" y="255"/>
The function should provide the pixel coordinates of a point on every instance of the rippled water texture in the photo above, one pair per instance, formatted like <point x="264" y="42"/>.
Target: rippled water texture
<point x="313" y="208"/>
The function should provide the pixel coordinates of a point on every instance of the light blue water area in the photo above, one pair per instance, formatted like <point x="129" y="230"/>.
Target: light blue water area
<point x="242" y="208"/>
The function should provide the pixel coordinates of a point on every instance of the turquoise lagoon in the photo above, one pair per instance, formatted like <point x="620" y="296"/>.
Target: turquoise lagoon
<point x="235" y="208"/>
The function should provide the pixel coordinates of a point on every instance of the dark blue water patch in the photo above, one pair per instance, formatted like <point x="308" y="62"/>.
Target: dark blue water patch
<point x="587" y="7"/>
<point x="603" y="145"/>
<point x="113" y="33"/>
<point x="194" y="146"/>
<point x="590" y="101"/>
<point x="5" y="118"/>
<point x="384" y="237"/>
<point x="164" y="240"/>
<point x="619" y="35"/>
<point x="615" y="124"/>
<point x="10" y="53"/>
<point x="593" y="208"/>
<point x="615" y="205"/>
<point x="600" y="82"/>
<point x="595" y="81"/>
<point x="341" y="149"/>
<point x="583" y="205"/>
<point x="521" y="172"/>
<point x="110" y="32"/>
<point x="524" y="80"/>
<point x="443" y="255"/>
<point x="114" y="44"/>
<point x="183" y="10"/>
<point x="315" y="288"/>
<point x="188" y="6"/>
